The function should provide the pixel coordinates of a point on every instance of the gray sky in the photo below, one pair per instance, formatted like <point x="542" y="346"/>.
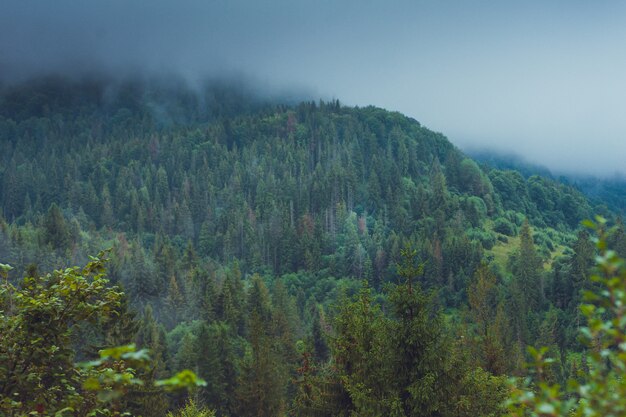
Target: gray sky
<point x="545" y="79"/>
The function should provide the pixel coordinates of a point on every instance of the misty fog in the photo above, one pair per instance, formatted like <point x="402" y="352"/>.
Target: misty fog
<point x="547" y="81"/>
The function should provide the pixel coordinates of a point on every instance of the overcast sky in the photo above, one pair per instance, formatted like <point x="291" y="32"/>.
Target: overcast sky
<point x="545" y="79"/>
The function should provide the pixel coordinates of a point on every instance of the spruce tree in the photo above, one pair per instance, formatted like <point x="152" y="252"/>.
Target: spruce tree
<point x="527" y="292"/>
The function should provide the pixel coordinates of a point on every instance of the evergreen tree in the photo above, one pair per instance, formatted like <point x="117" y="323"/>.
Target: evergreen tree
<point x="174" y="302"/>
<point x="56" y="230"/>
<point x="486" y="313"/>
<point x="617" y="238"/>
<point x="210" y="366"/>
<point x="261" y="387"/>
<point x="320" y="346"/>
<point x="420" y="351"/>
<point x="527" y="292"/>
<point x="580" y="267"/>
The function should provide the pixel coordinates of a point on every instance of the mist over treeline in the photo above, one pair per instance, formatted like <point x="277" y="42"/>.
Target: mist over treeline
<point x="168" y="99"/>
<point x="536" y="78"/>
<point x="288" y="254"/>
<point x="602" y="189"/>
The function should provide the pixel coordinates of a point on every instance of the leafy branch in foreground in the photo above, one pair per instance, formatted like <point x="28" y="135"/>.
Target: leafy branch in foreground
<point x="114" y="374"/>
<point x="601" y="390"/>
<point x="37" y="370"/>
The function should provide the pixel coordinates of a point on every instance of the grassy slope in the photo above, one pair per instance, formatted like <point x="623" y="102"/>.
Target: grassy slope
<point x="502" y="250"/>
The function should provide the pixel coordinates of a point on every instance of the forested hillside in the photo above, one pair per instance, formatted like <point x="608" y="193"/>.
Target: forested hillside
<point x="304" y="259"/>
<point x="603" y="191"/>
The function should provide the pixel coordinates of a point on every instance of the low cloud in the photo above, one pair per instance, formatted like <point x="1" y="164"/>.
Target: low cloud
<point x="547" y="81"/>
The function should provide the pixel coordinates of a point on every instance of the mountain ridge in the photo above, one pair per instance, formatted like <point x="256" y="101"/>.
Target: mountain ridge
<point x="252" y="231"/>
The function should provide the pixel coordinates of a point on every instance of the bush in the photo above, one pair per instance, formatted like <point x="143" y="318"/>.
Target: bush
<point x="502" y="225"/>
<point x="515" y="217"/>
<point x="542" y="239"/>
<point x="487" y="239"/>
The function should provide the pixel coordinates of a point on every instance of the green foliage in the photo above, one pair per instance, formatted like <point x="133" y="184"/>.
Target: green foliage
<point x="56" y="231"/>
<point x="486" y="311"/>
<point x="37" y="369"/>
<point x="235" y="227"/>
<point x="527" y="287"/>
<point x="261" y="388"/>
<point x="485" y="237"/>
<point x="601" y="391"/>
<point x="36" y="360"/>
<point x="399" y="363"/>
<point x="502" y="225"/>
<point x="191" y="409"/>
<point x="238" y="185"/>
<point x="182" y="380"/>
<point x="113" y="373"/>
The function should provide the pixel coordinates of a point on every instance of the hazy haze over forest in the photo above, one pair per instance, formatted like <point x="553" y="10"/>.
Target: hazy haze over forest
<point x="547" y="81"/>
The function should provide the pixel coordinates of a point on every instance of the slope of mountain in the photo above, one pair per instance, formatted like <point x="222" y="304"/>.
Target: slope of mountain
<point x="244" y="220"/>
<point x="278" y="187"/>
<point x="603" y="191"/>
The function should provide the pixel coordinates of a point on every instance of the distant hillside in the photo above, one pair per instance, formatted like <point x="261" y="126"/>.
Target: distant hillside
<point x="272" y="185"/>
<point x="603" y="191"/>
<point x="509" y="161"/>
<point x="259" y="241"/>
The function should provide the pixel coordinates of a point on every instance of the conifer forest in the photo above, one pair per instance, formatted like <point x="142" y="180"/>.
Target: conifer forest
<point x="167" y="251"/>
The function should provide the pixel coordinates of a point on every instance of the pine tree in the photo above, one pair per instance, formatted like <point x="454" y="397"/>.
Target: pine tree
<point x="527" y="292"/>
<point x="320" y="346"/>
<point x="580" y="268"/>
<point x="142" y="282"/>
<point x="617" y="238"/>
<point x="187" y="356"/>
<point x="262" y="385"/>
<point x="420" y="352"/>
<point x="210" y="364"/>
<point x="284" y="321"/>
<point x="230" y="302"/>
<point x="150" y="335"/>
<point x="206" y="239"/>
<point x="56" y="230"/>
<point x="208" y="297"/>
<point x="174" y="302"/>
<point x="360" y="350"/>
<point x="484" y="309"/>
